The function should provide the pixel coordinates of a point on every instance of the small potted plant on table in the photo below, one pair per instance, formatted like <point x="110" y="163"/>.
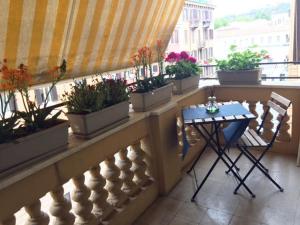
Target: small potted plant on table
<point x="241" y="67"/>
<point x="27" y="136"/>
<point x="150" y="91"/>
<point x="97" y="107"/>
<point x="184" y="71"/>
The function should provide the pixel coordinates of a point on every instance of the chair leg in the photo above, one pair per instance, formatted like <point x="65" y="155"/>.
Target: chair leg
<point x="259" y="163"/>
<point x="264" y="172"/>
<point x="255" y="164"/>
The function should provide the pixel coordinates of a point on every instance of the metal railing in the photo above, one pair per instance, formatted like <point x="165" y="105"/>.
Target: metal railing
<point x="270" y="71"/>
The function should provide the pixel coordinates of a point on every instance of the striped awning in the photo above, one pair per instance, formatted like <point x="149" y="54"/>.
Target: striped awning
<point x="92" y="35"/>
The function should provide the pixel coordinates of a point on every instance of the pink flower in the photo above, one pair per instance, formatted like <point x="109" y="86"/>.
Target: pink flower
<point x="172" y="57"/>
<point x="192" y="59"/>
<point x="184" y="55"/>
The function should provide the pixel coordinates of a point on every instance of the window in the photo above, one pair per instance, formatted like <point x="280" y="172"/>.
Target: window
<point x="186" y="39"/>
<point x="11" y="106"/>
<point x="287" y="38"/>
<point x="193" y="36"/>
<point x="278" y="38"/>
<point x="41" y="95"/>
<point x="155" y="68"/>
<point x="211" y="34"/>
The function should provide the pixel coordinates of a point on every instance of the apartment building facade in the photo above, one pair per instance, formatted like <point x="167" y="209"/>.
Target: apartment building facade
<point x="194" y="32"/>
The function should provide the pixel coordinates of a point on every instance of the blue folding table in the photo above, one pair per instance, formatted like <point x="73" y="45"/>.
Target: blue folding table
<point x="234" y="113"/>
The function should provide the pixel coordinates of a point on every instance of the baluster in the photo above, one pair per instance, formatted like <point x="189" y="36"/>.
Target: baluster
<point x="189" y="135"/>
<point x="267" y="131"/>
<point x="101" y="208"/>
<point x="179" y="131"/>
<point x="9" y="221"/>
<point x="124" y="164"/>
<point x="284" y="134"/>
<point x="83" y="206"/>
<point x="60" y="208"/>
<point x="139" y="167"/>
<point x="252" y="108"/>
<point x="116" y="196"/>
<point x="36" y="216"/>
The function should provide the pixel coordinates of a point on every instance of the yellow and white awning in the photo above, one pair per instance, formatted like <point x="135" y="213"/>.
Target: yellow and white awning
<point x="92" y="35"/>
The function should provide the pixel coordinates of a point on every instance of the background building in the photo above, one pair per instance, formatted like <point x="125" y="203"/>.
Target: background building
<point x="272" y="35"/>
<point x="194" y="31"/>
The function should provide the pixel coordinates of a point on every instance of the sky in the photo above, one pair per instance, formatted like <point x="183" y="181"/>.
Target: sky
<point x="229" y="7"/>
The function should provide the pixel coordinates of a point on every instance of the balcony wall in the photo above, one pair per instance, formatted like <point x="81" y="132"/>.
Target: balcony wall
<point x="114" y="177"/>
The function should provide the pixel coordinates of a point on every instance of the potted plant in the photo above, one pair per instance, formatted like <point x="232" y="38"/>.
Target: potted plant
<point x="149" y="91"/>
<point x="184" y="71"/>
<point x="27" y="136"/>
<point x="94" y="108"/>
<point x="241" y="67"/>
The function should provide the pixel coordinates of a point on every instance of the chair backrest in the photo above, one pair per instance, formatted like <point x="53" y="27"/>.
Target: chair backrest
<point x="279" y="104"/>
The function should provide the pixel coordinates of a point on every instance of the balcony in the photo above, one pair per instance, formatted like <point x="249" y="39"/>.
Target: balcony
<point x="144" y="163"/>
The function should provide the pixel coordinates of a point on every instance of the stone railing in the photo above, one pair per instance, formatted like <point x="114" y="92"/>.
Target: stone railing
<point x="114" y="177"/>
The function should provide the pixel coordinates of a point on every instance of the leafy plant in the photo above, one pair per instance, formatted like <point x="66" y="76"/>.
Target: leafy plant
<point x="15" y="124"/>
<point x="86" y="98"/>
<point x="244" y="60"/>
<point x="38" y="117"/>
<point x="9" y="120"/>
<point x="142" y="60"/>
<point x="115" y="91"/>
<point x="182" y="65"/>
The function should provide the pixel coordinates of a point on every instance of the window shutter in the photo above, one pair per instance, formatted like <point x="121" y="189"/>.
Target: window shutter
<point x="53" y="93"/>
<point x="38" y="96"/>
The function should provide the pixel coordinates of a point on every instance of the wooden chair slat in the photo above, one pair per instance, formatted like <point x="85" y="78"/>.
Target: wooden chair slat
<point x="282" y="100"/>
<point x="257" y="138"/>
<point x="251" y="139"/>
<point x="277" y="108"/>
<point x="245" y="141"/>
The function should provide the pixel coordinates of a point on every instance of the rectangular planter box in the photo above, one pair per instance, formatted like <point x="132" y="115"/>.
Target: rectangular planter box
<point x="142" y="102"/>
<point x="92" y="124"/>
<point x="240" y="77"/>
<point x="32" y="148"/>
<point x="185" y="85"/>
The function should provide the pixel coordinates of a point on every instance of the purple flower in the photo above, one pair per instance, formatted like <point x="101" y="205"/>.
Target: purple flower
<point x="184" y="55"/>
<point x="192" y="59"/>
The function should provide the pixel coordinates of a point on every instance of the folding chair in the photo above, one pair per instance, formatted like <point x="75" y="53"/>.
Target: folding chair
<point x="253" y="139"/>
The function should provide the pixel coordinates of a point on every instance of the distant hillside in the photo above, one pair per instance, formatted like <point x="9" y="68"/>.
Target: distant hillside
<point x="263" y="13"/>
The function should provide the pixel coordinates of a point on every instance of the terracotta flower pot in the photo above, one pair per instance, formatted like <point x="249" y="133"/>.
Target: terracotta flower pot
<point x="142" y="102"/>
<point x="92" y="124"/>
<point x="240" y="77"/>
<point x="32" y="148"/>
<point x="185" y="85"/>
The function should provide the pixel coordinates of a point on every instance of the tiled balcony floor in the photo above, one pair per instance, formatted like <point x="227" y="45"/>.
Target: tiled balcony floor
<point x="216" y="204"/>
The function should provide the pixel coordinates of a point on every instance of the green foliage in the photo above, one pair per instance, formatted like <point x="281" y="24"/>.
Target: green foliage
<point x="7" y="125"/>
<point x="85" y="98"/>
<point x="149" y="84"/>
<point x="183" y="69"/>
<point x="263" y="13"/>
<point x="221" y="22"/>
<point x="115" y="91"/>
<point x="245" y="60"/>
<point x="37" y="117"/>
